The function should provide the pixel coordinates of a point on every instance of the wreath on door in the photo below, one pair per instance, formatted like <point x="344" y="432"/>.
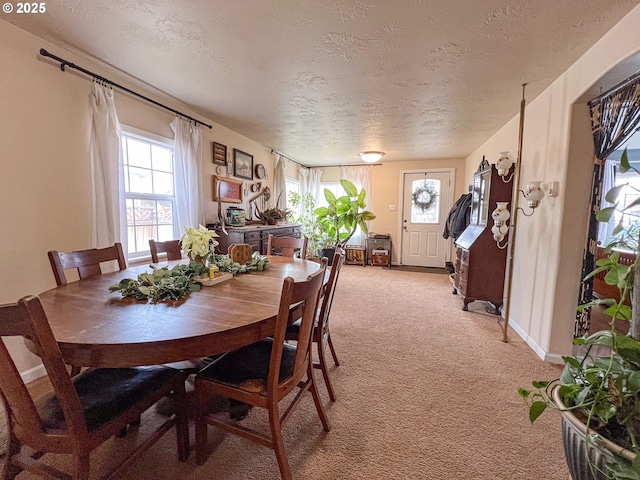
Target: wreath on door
<point x="424" y="197"/>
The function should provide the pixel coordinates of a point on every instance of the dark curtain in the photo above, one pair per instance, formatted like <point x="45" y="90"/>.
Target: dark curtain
<point x="615" y="115"/>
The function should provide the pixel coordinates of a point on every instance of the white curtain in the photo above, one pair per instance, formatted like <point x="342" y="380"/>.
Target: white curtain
<point x="279" y="183"/>
<point x="310" y="182"/>
<point x="108" y="224"/>
<point x="608" y="182"/>
<point x="361" y="178"/>
<point x="188" y="165"/>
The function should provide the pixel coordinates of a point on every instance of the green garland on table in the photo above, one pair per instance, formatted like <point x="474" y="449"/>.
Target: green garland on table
<point x="225" y="264"/>
<point x="164" y="284"/>
<point x="418" y="197"/>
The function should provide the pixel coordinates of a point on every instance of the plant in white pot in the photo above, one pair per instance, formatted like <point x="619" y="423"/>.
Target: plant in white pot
<point x="598" y="392"/>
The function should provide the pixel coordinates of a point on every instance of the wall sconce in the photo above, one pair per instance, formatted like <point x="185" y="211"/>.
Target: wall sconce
<point x="503" y="165"/>
<point x="371" y="157"/>
<point x="533" y="194"/>
<point x="501" y="216"/>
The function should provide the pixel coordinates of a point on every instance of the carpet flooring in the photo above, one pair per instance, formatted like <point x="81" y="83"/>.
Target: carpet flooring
<point x="425" y="391"/>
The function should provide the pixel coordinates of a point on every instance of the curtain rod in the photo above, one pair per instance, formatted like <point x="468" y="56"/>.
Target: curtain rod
<point x="327" y="166"/>
<point x="627" y="81"/>
<point x="64" y="63"/>
<point x="348" y="165"/>
<point x="288" y="158"/>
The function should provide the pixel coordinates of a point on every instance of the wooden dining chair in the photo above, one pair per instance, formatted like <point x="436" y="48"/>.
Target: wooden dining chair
<point x="80" y="413"/>
<point x="287" y="246"/>
<point x="263" y="373"/>
<point x="173" y="249"/>
<point x="86" y="262"/>
<point x="321" y="335"/>
<point x="240" y="252"/>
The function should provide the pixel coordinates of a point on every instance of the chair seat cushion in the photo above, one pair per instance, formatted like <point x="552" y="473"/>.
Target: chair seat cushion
<point x="107" y="392"/>
<point x="247" y="368"/>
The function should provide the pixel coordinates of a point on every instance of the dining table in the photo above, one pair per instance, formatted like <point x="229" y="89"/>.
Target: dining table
<point x="97" y="328"/>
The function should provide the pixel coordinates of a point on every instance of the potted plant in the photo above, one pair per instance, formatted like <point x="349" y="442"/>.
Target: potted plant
<point x="310" y="227"/>
<point x="273" y="215"/>
<point x="598" y="392"/>
<point x="339" y="220"/>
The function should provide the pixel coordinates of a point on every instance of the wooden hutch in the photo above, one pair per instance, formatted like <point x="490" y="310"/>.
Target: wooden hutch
<point x="255" y="235"/>
<point x="480" y="264"/>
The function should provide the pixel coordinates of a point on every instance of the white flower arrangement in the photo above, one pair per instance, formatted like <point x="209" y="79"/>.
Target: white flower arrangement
<point x="198" y="243"/>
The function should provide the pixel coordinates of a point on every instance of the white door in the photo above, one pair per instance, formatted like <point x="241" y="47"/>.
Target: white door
<point x="426" y="203"/>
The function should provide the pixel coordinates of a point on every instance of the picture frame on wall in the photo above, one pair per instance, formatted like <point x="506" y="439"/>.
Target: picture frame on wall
<point x="230" y="190"/>
<point x="242" y="164"/>
<point x="219" y="154"/>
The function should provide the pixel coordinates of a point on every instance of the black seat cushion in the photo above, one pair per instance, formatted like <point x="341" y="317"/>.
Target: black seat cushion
<point x="105" y="393"/>
<point x="248" y="367"/>
<point x="294" y="328"/>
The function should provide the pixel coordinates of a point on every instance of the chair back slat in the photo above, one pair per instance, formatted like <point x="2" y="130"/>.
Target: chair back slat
<point x="173" y="249"/>
<point x="287" y="246"/>
<point x="28" y="320"/>
<point x="87" y="262"/>
<point x="304" y="296"/>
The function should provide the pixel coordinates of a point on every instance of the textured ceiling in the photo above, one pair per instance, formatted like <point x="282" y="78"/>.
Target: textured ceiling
<point x="321" y="81"/>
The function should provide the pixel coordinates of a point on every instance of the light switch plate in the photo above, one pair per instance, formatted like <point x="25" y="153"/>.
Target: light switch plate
<point x="392" y="208"/>
<point x="552" y="189"/>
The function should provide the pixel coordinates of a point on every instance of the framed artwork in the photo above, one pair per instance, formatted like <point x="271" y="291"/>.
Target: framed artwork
<point x="230" y="190"/>
<point x="242" y="164"/>
<point x="219" y="154"/>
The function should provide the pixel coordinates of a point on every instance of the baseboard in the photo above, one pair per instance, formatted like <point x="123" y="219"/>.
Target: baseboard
<point x="33" y="373"/>
<point x="547" y="357"/>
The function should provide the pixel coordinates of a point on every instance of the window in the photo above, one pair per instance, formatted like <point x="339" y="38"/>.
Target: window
<point x="422" y="191"/>
<point x="149" y="186"/>
<point x="334" y="187"/>
<point x="292" y="186"/>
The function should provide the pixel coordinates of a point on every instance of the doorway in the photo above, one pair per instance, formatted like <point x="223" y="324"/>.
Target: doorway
<point x="426" y="200"/>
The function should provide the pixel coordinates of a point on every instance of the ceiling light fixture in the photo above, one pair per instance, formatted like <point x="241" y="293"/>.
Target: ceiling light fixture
<point x="371" y="157"/>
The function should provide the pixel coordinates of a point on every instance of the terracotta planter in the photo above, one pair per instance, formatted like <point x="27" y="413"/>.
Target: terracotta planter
<point x="272" y="221"/>
<point x="573" y="435"/>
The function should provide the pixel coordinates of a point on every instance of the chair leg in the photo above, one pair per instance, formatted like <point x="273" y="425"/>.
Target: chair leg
<point x="81" y="466"/>
<point x="9" y="470"/>
<point x="333" y="350"/>
<point x="182" y="421"/>
<point x="201" y="430"/>
<point x="278" y="442"/>
<point x="325" y="370"/>
<point x="316" y="399"/>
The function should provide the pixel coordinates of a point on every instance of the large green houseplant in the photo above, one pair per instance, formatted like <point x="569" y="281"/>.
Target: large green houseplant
<point x="305" y="204"/>
<point x="599" y="390"/>
<point x="342" y="216"/>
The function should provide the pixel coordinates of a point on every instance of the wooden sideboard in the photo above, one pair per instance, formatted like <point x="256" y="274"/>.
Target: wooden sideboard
<point x="255" y="235"/>
<point x="480" y="264"/>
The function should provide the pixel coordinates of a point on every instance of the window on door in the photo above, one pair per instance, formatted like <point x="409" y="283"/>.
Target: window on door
<point x="425" y="200"/>
<point x="149" y="186"/>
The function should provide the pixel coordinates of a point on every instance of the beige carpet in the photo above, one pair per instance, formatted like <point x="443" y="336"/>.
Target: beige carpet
<point x="425" y="391"/>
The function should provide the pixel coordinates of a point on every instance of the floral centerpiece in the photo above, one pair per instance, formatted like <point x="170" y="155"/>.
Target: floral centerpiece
<point x="198" y="243"/>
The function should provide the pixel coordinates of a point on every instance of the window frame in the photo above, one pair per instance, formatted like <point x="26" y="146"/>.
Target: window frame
<point x="150" y="138"/>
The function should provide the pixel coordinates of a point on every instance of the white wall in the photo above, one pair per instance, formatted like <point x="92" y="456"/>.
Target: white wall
<point x="44" y="176"/>
<point x="557" y="146"/>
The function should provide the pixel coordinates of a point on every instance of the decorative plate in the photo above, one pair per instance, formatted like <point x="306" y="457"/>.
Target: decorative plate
<point x="260" y="171"/>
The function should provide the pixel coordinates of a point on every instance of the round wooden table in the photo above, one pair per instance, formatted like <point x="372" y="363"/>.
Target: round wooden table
<point x="96" y="328"/>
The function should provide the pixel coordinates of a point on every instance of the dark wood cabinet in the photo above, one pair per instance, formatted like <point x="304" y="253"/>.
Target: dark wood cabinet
<point x="255" y="235"/>
<point x="480" y="264"/>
